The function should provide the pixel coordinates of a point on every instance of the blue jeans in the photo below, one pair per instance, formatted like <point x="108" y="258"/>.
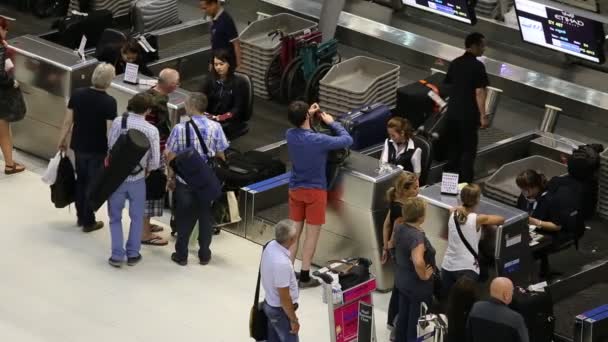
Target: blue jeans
<point x="135" y="192"/>
<point x="278" y="325"/>
<point x="189" y="209"/>
<point x="407" y="321"/>
<point x="88" y="167"/>
<point x="449" y="278"/>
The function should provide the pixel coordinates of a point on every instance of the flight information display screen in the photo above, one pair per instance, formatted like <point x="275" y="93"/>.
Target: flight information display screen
<point x="461" y="10"/>
<point x="559" y="30"/>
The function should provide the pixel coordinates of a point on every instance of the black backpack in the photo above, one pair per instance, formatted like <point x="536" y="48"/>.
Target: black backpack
<point x="571" y="197"/>
<point x="585" y="161"/>
<point x="335" y="158"/>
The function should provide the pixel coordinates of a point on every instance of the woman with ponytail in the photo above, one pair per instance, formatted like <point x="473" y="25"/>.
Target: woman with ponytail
<point x="406" y="186"/>
<point x="458" y="260"/>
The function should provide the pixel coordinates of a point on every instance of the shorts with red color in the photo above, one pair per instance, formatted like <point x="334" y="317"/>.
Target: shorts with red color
<point x="308" y="205"/>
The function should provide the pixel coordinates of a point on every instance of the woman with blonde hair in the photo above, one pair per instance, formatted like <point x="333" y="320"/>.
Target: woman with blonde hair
<point x="415" y="265"/>
<point x="464" y="228"/>
<point x="406" y="186"/>
<point x="399" y="148"/>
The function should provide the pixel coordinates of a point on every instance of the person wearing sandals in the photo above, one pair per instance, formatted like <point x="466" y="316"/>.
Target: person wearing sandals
<point x="168" y="82"/>
<point x="406" y="186"/>
<point x="458" y="261"/>
<point x="188" y="208"/>
<point x="7" y="83"/>
<point x="88" y="117"/>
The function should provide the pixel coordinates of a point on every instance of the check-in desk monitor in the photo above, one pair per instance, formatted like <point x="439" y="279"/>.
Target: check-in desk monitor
<point x="460" y="10"/>
<point x="559" y="30"/>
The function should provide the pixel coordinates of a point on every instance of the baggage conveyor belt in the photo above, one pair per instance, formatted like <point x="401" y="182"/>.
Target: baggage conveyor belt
<point x="566" y="309"/>
<point x="183" y="47"/>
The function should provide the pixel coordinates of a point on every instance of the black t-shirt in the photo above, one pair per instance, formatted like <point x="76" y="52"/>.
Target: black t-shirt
<point x="223" y="32"/>
<point x="92" y="109"/>
<point x="465" y="74"/>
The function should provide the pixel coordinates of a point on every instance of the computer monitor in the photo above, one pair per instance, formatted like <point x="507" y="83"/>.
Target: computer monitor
<point x="460" y="10"/>
<point x="559" y="30"/>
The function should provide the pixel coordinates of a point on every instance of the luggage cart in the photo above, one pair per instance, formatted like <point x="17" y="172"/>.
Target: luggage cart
<point x="344" y="309"/>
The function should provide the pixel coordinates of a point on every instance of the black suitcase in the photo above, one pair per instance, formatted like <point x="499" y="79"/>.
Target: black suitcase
<point x="72" y="28"/>
<point x="242" y="169"/>
<point x="125" y="156"/>
<point x="413" y="102"/>
<point x="537" y="311"/>
<point x="434" y="129"/>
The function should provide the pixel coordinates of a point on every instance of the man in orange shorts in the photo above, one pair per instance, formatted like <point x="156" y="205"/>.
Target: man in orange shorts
<point x="308" y="184"/>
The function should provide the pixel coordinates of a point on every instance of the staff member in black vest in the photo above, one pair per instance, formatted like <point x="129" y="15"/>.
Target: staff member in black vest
<point x="224" y="34"/>
<point x="466" y="107"/>
<point x="399" y="148"/>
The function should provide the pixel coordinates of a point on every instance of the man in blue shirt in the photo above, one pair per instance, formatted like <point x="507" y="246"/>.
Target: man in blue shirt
<point x="188" y="207"/>
<point x="308" y="185"/>
<point x="224" y="34"/>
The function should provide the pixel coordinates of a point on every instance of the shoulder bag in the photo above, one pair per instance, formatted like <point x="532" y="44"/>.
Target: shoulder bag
<point x="258" y="322"/>
<point x="464" y="240"/>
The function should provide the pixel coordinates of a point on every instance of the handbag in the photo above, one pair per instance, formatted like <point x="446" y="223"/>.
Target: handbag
<point x="351" y="272"/>
<point x="258" y="321"/>
<point x="15" y="105"/>
<point x="192" y="168"/>
<point x="156" y="183"/>
<point x="63" y="191"/>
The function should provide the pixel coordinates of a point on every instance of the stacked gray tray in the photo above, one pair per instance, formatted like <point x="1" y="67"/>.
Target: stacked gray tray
<point x="501" y="185"/>
<point x="602" y="203"/>
<point x="490" y="8"/>
<point x="357" y="82"/>
<point x="258" y="49"/>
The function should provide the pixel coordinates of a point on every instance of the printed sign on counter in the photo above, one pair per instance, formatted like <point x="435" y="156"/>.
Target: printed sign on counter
<point x="83" y="45"/>
<point x="131" y="72"/>
<point x="449" y="183"/>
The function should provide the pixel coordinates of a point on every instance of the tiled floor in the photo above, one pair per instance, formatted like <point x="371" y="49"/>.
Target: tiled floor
<point x="57" y="286"/>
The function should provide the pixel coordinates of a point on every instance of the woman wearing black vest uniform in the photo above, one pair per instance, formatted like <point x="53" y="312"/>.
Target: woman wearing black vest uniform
<point x="399" y="148"/>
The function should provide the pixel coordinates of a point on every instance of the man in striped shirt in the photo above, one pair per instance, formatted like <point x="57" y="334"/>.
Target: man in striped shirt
<point x="188" y="208"/>
<point x="134" y="187"/>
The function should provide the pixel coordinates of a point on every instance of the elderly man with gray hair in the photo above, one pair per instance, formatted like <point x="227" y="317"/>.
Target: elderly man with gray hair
<point x="89" y="115"/>
<point x="280" y="285"/>
<point x="189" y="207"/>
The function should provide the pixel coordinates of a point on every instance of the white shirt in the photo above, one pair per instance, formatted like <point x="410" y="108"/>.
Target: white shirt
<point x="277" y="272"/>
<point x="416" y="159"/>
<point x="457" y="257"/>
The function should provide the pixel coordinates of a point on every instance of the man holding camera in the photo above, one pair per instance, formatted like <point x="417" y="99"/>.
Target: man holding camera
<point x="308" y="152"/>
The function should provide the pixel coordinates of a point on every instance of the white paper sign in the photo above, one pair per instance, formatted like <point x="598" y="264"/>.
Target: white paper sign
<point x="83" y="44"/>
<point x="513" y="240"/>
<point x="131" y="72"/>
<point x="449" y="183"/>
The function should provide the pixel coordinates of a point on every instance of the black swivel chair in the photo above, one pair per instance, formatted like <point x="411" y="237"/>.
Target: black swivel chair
<point x="426" y="159"/>
<point x="240" y="127"/>
<point x="109" y="45"/>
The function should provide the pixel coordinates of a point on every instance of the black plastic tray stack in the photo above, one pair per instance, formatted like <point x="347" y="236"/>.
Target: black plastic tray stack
<point x="258" y="49"/>
<point x="501" y="185"/>
<point x="357" y="82"/>
<point x="602" y="203"/>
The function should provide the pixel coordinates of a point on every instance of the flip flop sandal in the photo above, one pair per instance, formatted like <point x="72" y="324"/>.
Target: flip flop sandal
<point x="12" y="169"/>
<point x="154" y="228"/>
<point x="155" y="241"/>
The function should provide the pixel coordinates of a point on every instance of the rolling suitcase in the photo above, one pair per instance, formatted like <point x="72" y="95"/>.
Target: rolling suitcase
<point x="150" y="15"/>
<point x="537" y="311"/>
<point x="366" y="125"/>
<point x="413" y="101"/>
<point x="124" y="159"/>
<point x="242" y="169"/>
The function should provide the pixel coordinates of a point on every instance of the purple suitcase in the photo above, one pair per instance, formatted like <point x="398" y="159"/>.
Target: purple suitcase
<point x="367" y="125"/>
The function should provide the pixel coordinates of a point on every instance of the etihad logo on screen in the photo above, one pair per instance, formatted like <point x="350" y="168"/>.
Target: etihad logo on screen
<point x="569" y="19"/>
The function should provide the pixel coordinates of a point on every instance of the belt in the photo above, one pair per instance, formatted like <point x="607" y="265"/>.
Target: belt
<point x="295" y="306"/>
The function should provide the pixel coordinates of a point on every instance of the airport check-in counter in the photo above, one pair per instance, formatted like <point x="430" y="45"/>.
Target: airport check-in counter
<point x="355" y="214"/>
<point x="508" y="244"/>
<point x="48" y="74"/>
<point x="123" y="92"/>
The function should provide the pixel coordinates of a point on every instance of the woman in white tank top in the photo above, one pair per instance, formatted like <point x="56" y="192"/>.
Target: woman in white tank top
<point x="458" y="261"/>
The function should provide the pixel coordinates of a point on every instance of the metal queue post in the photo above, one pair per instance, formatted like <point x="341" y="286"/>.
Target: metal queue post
<point x="351" y="313"/>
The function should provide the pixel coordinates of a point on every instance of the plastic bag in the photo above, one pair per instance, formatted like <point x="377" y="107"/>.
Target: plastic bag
<point x="50" y="175"/>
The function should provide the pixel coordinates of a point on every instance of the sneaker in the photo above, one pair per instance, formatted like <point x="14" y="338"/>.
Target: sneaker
<point x="96" y="226"/>
<point x="134" y="260"/>
<point x="313" y="282"/>
<point x="205" y="262"/>
<point x="115" y="263"/>
<point x="177" y="260"/>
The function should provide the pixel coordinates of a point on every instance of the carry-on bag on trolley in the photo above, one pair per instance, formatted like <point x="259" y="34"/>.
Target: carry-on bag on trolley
<point x="150" y="15"/>
<point x="123" y="160"/>
<point x="537" y="310"/>
<point x="242" y="169"/>
<point x="431" y="327"/>
<point x="366" y="125"/>
<point x="414" y="103"/>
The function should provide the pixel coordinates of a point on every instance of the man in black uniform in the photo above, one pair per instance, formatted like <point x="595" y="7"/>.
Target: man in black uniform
<point x="224" y="34"/>
<point x="466" y="108"/>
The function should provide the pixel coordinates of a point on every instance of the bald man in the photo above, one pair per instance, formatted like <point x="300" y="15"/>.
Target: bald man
<point x="493" y="320"/>
<point x="168" y="82"/>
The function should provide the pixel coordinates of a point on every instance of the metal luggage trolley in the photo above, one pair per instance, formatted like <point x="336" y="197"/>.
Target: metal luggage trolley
<point x="350" y="311"/>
